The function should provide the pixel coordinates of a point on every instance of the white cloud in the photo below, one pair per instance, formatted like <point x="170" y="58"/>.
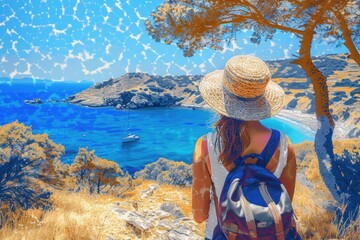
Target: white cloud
<point x="61" y="65"/>
<point x="118" y="29"/>
<point x="28" y="69"/>
<point x="107" y="48"/>
<point x="202" y="67"/>
<point x="74" y="42"/>
<point x="127" y="66"/>
<point x="168" y="65"/>
<point x="106" y="65"/>
<point x="121" y="55"/>
<point x="211" y="60"/>
<point x="146" y="46"/>
<point x="137" y="23"/>
<point x="118" y="5"/>
<point x="14" y="46"/>
<point x="13" y="73"/>
<point x="136" y="37"/>
<point x="183" y="68"/>
<point x="233" y="47"/>
<point x="138" y="15"/>
<point x="286" y="53"/>
<point x="57" y="32"/>
<point x="108" y="9"/>
<point x="75" y="7"/>
<point x="88" y="56"/>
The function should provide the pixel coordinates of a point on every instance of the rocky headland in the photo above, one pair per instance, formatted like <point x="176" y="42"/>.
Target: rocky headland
<point x="141" y="90"/>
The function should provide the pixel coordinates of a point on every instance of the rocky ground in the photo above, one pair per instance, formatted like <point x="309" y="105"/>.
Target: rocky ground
<point x="140" y="90"/>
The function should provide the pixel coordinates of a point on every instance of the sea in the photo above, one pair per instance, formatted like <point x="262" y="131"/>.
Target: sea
<point x="164" y="132"/>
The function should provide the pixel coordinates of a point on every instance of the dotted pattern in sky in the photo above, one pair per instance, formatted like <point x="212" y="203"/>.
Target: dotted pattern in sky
<point x="97" y="40"/>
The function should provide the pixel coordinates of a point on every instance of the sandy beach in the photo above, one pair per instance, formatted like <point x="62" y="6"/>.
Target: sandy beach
<point x="306" y="121"/>
<point x="309" y="122"/>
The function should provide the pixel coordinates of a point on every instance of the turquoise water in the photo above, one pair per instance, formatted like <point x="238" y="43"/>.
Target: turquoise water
<point x="164" y="132"/>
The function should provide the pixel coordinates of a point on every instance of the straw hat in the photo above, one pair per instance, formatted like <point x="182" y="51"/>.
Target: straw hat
<point x="243" y="90"/>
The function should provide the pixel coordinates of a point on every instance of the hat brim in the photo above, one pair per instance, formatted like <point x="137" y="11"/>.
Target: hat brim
<point x="266" y="106"/>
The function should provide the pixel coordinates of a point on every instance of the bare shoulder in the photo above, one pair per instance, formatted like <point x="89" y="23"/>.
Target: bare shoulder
<point x="291" y="151"/>
<point x="200" y="151"/>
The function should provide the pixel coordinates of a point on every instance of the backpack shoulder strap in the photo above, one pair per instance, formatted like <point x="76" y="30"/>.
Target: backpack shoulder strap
<point x="269" y="149"/>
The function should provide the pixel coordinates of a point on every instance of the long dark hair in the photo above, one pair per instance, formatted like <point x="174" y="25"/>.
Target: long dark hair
<point x="231" y="138"/>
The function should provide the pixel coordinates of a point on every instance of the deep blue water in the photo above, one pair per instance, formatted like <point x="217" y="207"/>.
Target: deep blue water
<point x="164" y="132"/>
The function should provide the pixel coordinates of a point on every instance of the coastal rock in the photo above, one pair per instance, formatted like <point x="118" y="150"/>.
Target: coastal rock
<point x="354" y="133"/>
<point x="198" y="99"/>
<point x="172" y="208"/>
<point x="134" y="219"/>
<point x="149" y="191"/>
<point x="292" y="104"/>
<point x="159" y="223"/>
<point x="34" y="101"/>
<point x="180" y="234"/>
<point x="167" y="171"/>
<point x="140" y="101"/>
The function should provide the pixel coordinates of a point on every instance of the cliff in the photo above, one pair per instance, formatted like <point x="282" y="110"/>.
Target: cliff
<point x="139" y="90"/>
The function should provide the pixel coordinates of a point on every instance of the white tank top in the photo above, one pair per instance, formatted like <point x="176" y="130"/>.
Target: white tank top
<point x="219" y="173"/>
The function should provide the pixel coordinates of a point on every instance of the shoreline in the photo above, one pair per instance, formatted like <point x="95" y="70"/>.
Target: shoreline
<point x="303" y="120"/>
<point x="306" y="121"/>
<point x="309" y="121"/>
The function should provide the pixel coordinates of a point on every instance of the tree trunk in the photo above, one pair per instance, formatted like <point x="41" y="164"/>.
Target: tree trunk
<point x="323" y="137"/>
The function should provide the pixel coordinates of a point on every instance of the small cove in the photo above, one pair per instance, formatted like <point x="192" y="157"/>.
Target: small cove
<point x="164" y="132"/>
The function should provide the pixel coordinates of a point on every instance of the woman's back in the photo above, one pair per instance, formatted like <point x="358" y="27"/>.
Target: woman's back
<point x="243" y="94"/>
<point x="259" y="136"/>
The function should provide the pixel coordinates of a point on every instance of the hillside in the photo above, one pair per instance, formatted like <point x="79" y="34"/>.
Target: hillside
<point x="156" y="210"/>
<point x="139" y="90"/>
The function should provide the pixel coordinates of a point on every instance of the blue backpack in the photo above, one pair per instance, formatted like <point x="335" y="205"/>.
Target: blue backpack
<point x="253" y="203"/>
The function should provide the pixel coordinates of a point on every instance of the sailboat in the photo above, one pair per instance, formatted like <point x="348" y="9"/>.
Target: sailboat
<point x="130" y="137"/>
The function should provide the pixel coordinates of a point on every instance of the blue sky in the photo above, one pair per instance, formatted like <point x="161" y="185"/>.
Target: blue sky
<point x="97" y="40"/>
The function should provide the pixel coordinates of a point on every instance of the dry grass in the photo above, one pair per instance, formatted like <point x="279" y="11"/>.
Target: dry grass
<point x="84" y="216"/>
<point x="311" y="205"/>
<point x="75" y="216"/>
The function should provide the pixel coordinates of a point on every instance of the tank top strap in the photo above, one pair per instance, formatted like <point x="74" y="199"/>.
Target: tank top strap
<point x="218" y="171"/>
<point x="283" y="155"/>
